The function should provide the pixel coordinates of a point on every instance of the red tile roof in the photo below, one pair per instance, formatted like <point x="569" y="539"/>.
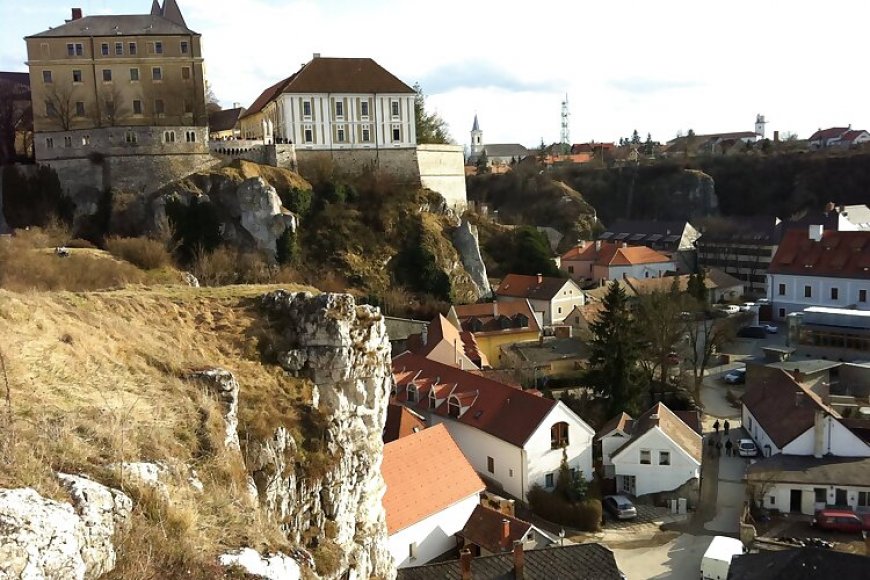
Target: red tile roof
<point x="401" y="422"/>
<point x="345" y="75"/>
<point x="265" y="98"/>
<point x="837" y="255"/>
<point x="671" y="425"/>
<point x="623" y="422"/>
<point x="832" y="133"/>
<point x="425" y="473"/>
<point x="782" y="407"/>
<point x="497" y="317"/>
<point x="486" y="528"/>
<point x="441" y="330"/>
<point x="502" y="411"/>
<point x="531" y="287"/>
<point x="613" y="254"/>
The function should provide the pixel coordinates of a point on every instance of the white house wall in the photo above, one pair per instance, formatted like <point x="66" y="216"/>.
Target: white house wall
<point x="609" y="445"/>
<point x="569" y="296"/>
<point x="778" y="496"/>
<point x="655" y="477"/>
<point x="836" y="440"/>
<point x="639" y="271"/>
<point x="433" y="535"/>
<point x="794" y="300"/>
<point x="542" y="459"/>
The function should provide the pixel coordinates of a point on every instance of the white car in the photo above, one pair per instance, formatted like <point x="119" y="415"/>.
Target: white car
<point x="747" y="448"/>
<point x="746" y="306"/>
<point x="728" y="308"/>
<point x="769" y="328"/>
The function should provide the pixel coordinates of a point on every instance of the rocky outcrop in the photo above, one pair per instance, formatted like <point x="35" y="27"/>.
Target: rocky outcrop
<point x="261" y="213"/>
<point x="343" y="350"/>
<point x="225" y="386"/>
<point x="271" y="566"/>
<point x="465" y="241"/>
<point x="44" y="539"/>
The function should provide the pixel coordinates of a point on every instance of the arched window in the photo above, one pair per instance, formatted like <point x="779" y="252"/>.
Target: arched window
<point x="453" y="407"/>
<point x="559" y="435"/>
<point x="412" y="393"/>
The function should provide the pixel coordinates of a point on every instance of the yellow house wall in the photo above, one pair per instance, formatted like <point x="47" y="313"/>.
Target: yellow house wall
<point x="491" y="345"/>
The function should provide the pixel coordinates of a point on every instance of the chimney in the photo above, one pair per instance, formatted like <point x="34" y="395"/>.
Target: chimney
<point x="495" y="308"/>
<point x="597" y="245"/>
<point x="465" y="563"/>
<point x="505" y="532"/>
<point x="776" y="136"/>
<point x="581" y="244"/>
<point x="624" y="244"/>
<point x="316" y="55"/>
<point x="540" y="278"/>
<point x="76" y="14"/>
<point x="424" y="336"/>
<point x="237" y="105"/>
<point x="519" y="560"/>
<point x="818" y="435"/>
<point x="816" y="231"/>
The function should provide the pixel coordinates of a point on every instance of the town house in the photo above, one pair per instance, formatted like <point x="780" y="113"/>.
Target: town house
<point x="599" y="262"/>
<point x="496" y="324"/>
<point x="551" y="299"/>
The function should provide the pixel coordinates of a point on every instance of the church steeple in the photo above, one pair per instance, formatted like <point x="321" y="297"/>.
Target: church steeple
<point x="172" y="12"/>
<point x="476" y="137"/>
<point x="155" y="8"/>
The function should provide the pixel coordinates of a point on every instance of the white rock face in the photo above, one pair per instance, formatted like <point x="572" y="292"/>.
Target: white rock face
<point x="157" y="475"/>
<point x="272" y="566"/>
<point x="261" y="213"/>
<point x="41" y="539"/>
<point x="225" y="386"/>
<point x="343" y="349"/>
<point x="466" y="243"/>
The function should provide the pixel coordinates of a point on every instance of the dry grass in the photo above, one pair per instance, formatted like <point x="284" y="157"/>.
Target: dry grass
<point x="97" y="378"/>
<point x="141" y="252"/>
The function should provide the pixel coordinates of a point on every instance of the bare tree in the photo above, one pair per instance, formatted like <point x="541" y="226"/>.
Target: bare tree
<point x="111" y="111"/>
<point x="706" y="338"/>
<point x="60" y="104"/>
<point x="661" y="328"/>
<point x="14" y="107"/>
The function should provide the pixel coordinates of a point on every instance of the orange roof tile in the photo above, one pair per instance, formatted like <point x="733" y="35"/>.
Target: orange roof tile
<point x="837" y="255"/>
<point x="401" y="422"/>
<point x="425" y="473"/>
<point x="489" y="317"/>
<point x="441" y="330"/>
<point x="613" y="254"/>
<point x="486" y="528"/>
<point x="531" y="287"/>
<point x="510" y="414"/>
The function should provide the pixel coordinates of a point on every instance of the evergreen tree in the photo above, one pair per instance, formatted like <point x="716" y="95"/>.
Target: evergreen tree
<point x="431" y="128"/>
<point x="615" y="353"/>
<point x="696" y="287"/>
<point x="635" y="138"/>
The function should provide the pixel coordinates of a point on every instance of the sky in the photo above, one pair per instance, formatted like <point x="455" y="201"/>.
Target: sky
<point x="660" y="67"/>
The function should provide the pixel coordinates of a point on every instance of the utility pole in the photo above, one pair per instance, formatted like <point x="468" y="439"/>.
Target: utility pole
<point x="566" y="135"/>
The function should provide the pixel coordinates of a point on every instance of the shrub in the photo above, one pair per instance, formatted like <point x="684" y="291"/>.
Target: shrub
<point x="225" y="266"/>
<point x="287" y="247"/>
<point x="196" y="226"/>
<point x="142" y="252"/>
<point x="583" y="515"/>
<point x="80" y="244"/>
<point x="296" y="200"/>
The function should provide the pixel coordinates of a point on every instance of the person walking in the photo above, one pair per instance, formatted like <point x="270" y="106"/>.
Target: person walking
<point x="716" y="426"/>
<point x="728" y="447"/>
<point x="726" y="426"/>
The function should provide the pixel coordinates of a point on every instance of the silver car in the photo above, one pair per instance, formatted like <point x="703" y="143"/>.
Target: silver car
<point x="620" y="507"/>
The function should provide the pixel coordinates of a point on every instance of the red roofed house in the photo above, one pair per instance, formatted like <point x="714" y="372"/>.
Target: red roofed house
<point x="495" y="324"/>
<point x="551" y="298"/>
<point x="657" y="452"/>
<point x="443" y="342"/>
<point x="817" y="267"/>
<point x="401" y="422"/>
<point x="489" y="531"/>
<point x="838" y="137"/>
<point x="600" y="262"/>
<point x="431" y="492"/>
<point x="512" y="437"/>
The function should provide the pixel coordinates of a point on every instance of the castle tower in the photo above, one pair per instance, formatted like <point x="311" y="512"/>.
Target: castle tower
<point x="759" y="126"/>
<point x="476" y="138"/>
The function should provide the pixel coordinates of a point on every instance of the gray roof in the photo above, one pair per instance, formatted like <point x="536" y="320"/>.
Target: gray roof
<point x="806" y="469"/>
<point x="648" y="227"/>
<point x="506" y="150"/>
<point x="798" y="564"/>
<point x="555" y="349"/>
<point x="115" y="25"/>
<point x="577" y="562"/>
<point x="808" y="366"/>
<point x="225" y="119"/>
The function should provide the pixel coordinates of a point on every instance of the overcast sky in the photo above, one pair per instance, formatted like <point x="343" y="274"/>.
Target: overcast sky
<point x="658" y="66"/>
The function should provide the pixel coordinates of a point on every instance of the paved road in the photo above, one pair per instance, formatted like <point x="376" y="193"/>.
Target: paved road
<point x="676" y="559"/>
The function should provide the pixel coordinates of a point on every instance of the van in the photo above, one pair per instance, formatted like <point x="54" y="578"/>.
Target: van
<point x="717" y="558"/>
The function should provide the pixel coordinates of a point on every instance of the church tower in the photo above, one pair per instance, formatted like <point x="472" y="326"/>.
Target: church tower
<point x="476" y="138"/>
<point x="759" y="126"/>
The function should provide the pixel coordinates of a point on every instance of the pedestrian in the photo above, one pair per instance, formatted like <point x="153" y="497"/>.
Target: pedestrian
<point x="726" y="426"/>
<point x="718" y="448"/>
<point x="716" y="426"/>
<point x="728" y="447"/>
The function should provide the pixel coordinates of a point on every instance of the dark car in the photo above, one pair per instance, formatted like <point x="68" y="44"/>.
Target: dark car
<point x="620" y="507"/>
<point x="838" y="520"/>
<point x="752" y="332"/>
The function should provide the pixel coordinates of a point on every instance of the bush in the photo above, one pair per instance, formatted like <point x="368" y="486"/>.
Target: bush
<point x="287" y="247"/>
<point x="296" y="200"/>
<point x="196" y="226"/>
<point x="225" y="266"/>
<point x="142" y="252"/>
<point x="583" y="515"/>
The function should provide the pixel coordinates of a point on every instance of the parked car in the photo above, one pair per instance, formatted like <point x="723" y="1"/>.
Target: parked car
<point x="727" y="308"/>
<point x="769" y="328"/>
<point x="752" y="332"/>
<point x="747" y="448"/>
<point x="736" y="377"/>
<point x="620" y="507"/>
<point x="746" y="306"/>
<point x="838" y="520"/>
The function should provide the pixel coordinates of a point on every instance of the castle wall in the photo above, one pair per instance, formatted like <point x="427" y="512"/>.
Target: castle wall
<point x="442" y="169"/>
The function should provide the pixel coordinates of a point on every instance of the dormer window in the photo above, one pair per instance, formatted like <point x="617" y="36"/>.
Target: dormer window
<point x="433" y="401"/>
<point x="559" y="435"/>
<point x="454" y="409"/>
<point x="475" y="325"/>
<point x="412" y="393"/>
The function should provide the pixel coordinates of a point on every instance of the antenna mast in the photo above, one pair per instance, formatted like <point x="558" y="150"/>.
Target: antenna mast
<point x="565" y="136"/>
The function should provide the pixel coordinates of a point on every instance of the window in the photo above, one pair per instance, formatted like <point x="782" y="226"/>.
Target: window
<point x="366" y="135"/>
<point x="454" y="409"/>
<point x="67" y="141"/>
<point x="664" y="457"/>
<point x="339" y="109"/>
<point x="104" y="49"/>
<point x="862" y="296"/>
<point x="308" y="135"/>
<point x="86" y="139"/>
<point x="156" y="73"/>
<point x="559" y="310"/>
<point x="75" y="49"/>
<point x="782" y="289"/>
<point x="863" y="498"/>
<point x="46" y="77"/>
<point x="559" y="435"/>
<point x="130" y="136"/>
<point x="645" y="457"/>
<point x="394" y="108"/>
<point x="190" y="136"/>
<point x="782" y="312"/>
<point x="49" y="143"/>
<point x="490" y="464"/>
<point x="835" y="293"/>
<point x="119" y="48"/>
<point x="185" y="47"/>
<point x="50" y="110"/>
<point x="412" y="550"/>
<point x="306" y="108"/>
<point x="771" y="500"/>
<point x="570" y="269"/>
<point x="808" y="292"/>
<point x="158" y="47"/>
<point x="80" y="108"/>
<point x="340" y="135"/>
<point x="397" y="134"/>
<point x="364" y="109"/>
<point x="77" y="76"/>
<point x="412" y="393"/>
<point x="107" y="75"/>
<point x="159" y="107"/>
<point x="169" y="136"/>
<point x="131" y="48"/>
<point x="510" y="472"/>
<point x="821" y="495"/>
<point x="548" y="480"/>
<point x="185" y="73"/>
<point x="137" y="107"/>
